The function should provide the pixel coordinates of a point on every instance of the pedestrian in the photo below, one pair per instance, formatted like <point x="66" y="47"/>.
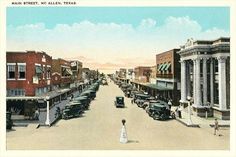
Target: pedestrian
<point x="72" y="97"/>
<point x="170" y="104"/>
<point x="216" y="127"/>
<point x="179" y="111"/>
<point x="123" y="135"/>
<point x="58" y="112"/>
<point x="36" y="114"/>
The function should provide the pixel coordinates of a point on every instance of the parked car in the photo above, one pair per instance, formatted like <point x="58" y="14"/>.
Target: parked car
<point x="139" y="99"/>
<point x="86" y="93"/>
<point x="72" y="109"/>
<point x="84" y="100"/>
<point x="119" y="102"/>
<point x="9" y="122"/>
<point x="159" y="111"/>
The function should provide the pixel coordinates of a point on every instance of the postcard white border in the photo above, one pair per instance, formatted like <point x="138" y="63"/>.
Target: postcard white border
<point x="134" y="3"/>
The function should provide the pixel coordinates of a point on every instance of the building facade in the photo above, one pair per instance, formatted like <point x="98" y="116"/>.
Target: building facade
<point x="205" y="76"/>
<point x="61" y="73"/>
<point x="168" y="75"/>
<point x="142" y="74"/>
<point x="28" y="73"/>
<point x="76" y="68"/>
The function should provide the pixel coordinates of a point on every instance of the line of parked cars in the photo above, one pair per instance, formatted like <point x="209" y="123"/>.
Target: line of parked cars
<point x="157" y="109"/>
<point x="81" y="102"/>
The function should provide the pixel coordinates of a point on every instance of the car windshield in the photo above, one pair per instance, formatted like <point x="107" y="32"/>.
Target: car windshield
<point x="120" y="99"/>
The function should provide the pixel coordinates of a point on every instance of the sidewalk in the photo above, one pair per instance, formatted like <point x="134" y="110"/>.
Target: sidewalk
<point x="43" y="115"/>
<point x="52" y="113"/>
<point x="200" y="121"/>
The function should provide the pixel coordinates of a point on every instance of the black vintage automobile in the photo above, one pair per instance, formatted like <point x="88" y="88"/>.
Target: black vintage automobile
<point x="159" y="111"/>
<point x="88" y="94"/>
<point x="84" y="100"/>
<point x="139" y="99"/>
<point x="119" y="102"/>
<point x="73" y="109"/>
<point x="9" y="122"/>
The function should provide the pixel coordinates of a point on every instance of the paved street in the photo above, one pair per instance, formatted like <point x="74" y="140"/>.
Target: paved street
<point x="99" y="128"/>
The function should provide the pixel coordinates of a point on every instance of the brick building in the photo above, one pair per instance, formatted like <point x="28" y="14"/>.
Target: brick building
<point x="142" y="74"/>
<point x="61" y="73"/>
<point x="28" y="78"/>
<point x="28" y="73"/>
<point x="168" y="75"/>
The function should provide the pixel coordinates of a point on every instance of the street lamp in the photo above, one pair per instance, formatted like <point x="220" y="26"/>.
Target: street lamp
<point x="189" y="111"/>
<point x="206" y="109"/>
<point x="47" y="122"/>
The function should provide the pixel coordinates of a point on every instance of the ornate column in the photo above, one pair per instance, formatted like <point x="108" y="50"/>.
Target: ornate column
<point x="198" y="93"/>
<point x="222" y="82"/>
<point x="194" y="81"/>
<point x="188" y="67"/>
<point x="205" y="90"/>
<point x="183" y="81"/>
<point x="212" y="80"/>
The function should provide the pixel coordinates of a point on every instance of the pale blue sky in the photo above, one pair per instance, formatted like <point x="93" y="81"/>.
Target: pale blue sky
<point x="112" y="37"/>
<point x="207" y="17"/>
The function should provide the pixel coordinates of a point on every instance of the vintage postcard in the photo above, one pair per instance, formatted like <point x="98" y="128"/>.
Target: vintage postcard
<point x="117" y="78"/>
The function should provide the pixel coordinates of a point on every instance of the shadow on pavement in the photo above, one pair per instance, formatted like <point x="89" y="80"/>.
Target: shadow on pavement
<point x="10" y="130"/>
<point x="133" y="141"/>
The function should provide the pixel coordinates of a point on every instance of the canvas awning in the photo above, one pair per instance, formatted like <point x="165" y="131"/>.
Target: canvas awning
<point x="160" y="66"/>
<point x="163" y="67"/>
<point x="167" y="66"/>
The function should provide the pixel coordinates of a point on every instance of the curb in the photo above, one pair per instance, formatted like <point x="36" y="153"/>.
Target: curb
<point x="223" y="125"/>
<point x="193" y="125"/>
<point x="20" y="125"/>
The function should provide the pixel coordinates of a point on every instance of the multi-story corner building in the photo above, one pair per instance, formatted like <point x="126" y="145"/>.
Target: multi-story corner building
<point x="205" y="76"/>
<point x="61" y="73"/>
<point x="168" y="75"/>
<point x="28" y="73"/>
<point x="28" y="78"/>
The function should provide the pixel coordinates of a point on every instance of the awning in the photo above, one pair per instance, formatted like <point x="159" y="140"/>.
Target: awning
<point x="164" y="66"/>
<point x="160" y="66"/>
<point x="39" y="69"/>
<point x="167" y="67"/>
<point x="161" y="88"/>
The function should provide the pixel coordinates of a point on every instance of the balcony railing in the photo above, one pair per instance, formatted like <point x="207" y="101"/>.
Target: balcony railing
<point x="165" y="75"/>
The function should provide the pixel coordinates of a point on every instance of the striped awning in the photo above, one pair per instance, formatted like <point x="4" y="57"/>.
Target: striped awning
<point x="160" y="66"/>
<point x="167" y="66"/>
<point x="163" y="67"/>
